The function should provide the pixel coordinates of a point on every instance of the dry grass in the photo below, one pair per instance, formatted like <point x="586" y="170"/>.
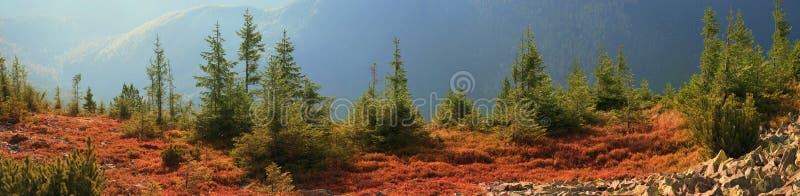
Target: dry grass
<point x="467" y="159"/>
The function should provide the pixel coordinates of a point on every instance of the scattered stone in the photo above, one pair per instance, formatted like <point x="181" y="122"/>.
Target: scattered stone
<point x="770" y="169"/>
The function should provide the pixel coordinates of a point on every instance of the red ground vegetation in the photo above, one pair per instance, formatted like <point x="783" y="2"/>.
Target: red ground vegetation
<point x="467" y="159"/>
<point x="461" y="163"/>
<point x="133" y="167"/>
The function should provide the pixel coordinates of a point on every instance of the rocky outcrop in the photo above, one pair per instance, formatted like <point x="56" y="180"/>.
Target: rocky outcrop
<point x="770" y="169"/>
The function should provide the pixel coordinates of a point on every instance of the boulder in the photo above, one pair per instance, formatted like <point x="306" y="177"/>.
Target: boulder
<point x="645" y="190"/>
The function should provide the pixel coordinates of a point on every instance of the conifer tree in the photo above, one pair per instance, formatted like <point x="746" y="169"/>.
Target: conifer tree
<point x="455" y="111"/>
<point x="101" y="109"/>
<point x="158" y="74"/>
<point x="18" y="77"/>
<point x="292" y="127"/>
<point x="250" y="50"/>
<point x="780" y="52"/>
<point x="721" y="102"/>
<point x="222" y="116"/>
<point x="530" y="105"/>
<point x="58" y="102"/>
<point x="669" y="91"/>
<point x="406" y="119"/>
<point x="502" y="104"/>
<point x="579" y="98"/>
<point x="124" y="104"/>
<point x="607" y="87"/>
<point x="172" y="97"/>
<point x="795" y="61"/>
<point x="88" y="102"/>
<point x="74" y="108"/>
<point x="710" y="57"/>
<point x="5" y="87"/>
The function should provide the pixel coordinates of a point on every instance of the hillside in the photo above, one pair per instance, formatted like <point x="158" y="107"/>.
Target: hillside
<point x="770" y="169"/>
<point x="464" y="163"/>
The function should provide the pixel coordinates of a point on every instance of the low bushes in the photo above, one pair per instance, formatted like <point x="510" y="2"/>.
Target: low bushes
<point x="74" y="174"/>
<point x="174" y="155"/>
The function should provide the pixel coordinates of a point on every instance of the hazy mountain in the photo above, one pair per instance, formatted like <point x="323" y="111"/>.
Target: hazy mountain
<point x="338" y="40"/>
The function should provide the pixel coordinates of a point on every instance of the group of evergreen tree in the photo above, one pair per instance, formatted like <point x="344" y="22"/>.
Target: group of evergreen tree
<point x="387" y="121"/>
<point x="738" y="87"/>
<point x="17" y="96"/>
<point x="529" y="107"/>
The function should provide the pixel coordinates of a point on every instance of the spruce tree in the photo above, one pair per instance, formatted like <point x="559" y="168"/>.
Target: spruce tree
<point x="282" y="83"/>
<point x="101" y="109"/>
<point x="250" y="50"/>
<point x="158" y="74"/>
<point x="795" y="61"/>
<point x="579" y="98"/>
<point x="607" y="88"/>
<point x="500" y="116"/>
<point x="88" y="101"/>
<point x="455" y="111"/>
<point x="780" y="52"/>
<point x="292" y="128"/>
<point x="721" y="102"/>
<point x="18" y="77"/>
<point x="406" y="119"/>
<point x="172" y="98"/>
<point x="74" y="108"/>
<point x="5" y="86"/>
<point x="58" y="102"/>
<point x="710" y="57"/>
<point x="124" y="104"/>
<point x="222" y="117"/>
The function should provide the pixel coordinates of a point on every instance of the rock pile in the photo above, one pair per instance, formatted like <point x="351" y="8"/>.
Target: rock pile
<point x="770" y="169"/>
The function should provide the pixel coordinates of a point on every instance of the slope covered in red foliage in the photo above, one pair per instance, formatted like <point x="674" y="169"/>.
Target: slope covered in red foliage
<point x="133" y="166"/>
<point x="467" y="159"/>
<point x="461" y="163"/>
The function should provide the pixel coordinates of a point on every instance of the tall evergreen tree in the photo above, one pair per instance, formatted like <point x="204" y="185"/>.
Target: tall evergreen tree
<point x="74" y="108"/>
<point x="158" y="73"/>
<point x="282" y="83"/>
<point x="88" y="101"/>
<point x="222" y="116"/>
<point x="780" y="52"/>
<point x="58" y="102"/>
<point x="5" y="86"/>
<point x="530" y="103"/>
<point x="250" y="50"/>
<point x="607" y="87"/>
<point x="18" y="77"/>
<point x="172" y="98"/>
<point x="579" y="98"/>
<point x="407" y="119"/>
<point x="710" y="57"/>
